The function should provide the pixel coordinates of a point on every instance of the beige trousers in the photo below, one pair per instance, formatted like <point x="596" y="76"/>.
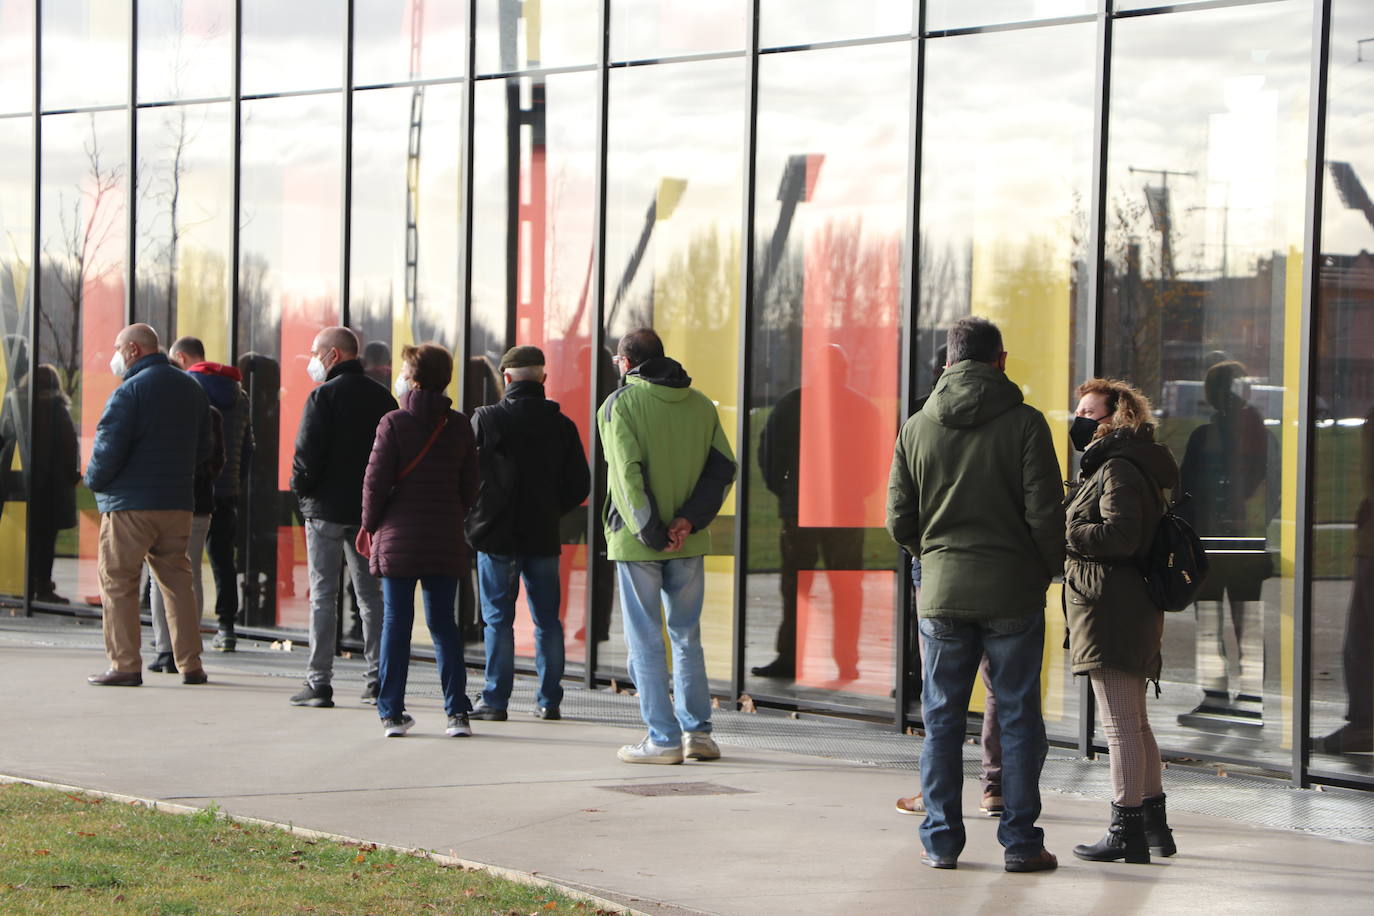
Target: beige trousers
<point x="127" y="539"/>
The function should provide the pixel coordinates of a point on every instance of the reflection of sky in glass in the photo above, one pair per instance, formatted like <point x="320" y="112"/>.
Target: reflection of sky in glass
<point x="678" y="121"/>
<point x="565" y="36"/>
<point x="16" y="203"/>
<point x="643" y="29"/>
<point x="16" y="56"/>
<point x="793" y="22"/>
<point x="570" y="149"/>
<point x="203" y="214"/>
<point x="293" y="46"/>
<point x="1221" y="94"/>
<point x="185" y="49"/>
<point x="381" y="40"/>
<point x="290" y="210"/>
<point x="85" y="53"/>
<point x="377" y="282"/>
<point x="1350" y="124"/>
<point x="846" y="104"/>
<point x="954" y="14"/>
<point x="1006" y="153"/>
<point x="77" y="147"/>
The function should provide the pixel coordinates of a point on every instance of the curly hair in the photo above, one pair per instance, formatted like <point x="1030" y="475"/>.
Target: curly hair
<point x="1128" y="407"/>
<point x="431" y="366"/>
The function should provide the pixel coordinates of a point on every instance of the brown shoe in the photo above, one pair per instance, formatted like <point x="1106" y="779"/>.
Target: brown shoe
<point x="195" y="677"/>
<point x="1044" y="860"/>
<point x="992" y="805"/>
<point x="113" y="678"/>
<point x="913" y="804"/>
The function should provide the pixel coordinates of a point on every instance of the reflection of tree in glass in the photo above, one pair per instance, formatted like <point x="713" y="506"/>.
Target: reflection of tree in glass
<point x="700" y="286"/>
<point x="87" y="221"/>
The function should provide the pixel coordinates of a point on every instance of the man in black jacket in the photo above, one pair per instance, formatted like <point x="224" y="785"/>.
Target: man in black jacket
<point x="332" y="449"/>
<point x="533" y="472"/>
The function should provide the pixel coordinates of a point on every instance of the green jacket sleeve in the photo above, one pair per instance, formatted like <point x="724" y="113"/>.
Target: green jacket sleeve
<point x="1119" y="534"/>
<point x="1044" y="488"/>
<point x="627" y="484"/>
<point x="903" y="502"/>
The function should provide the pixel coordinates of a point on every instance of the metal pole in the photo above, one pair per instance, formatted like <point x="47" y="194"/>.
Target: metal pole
<point x="131" y="243"/>
<point x="346" y="223"/>
<point x="35" y="274"/>
<point x="1311" y="290"/>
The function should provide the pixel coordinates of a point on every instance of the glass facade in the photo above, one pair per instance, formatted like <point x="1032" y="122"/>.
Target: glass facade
<point x="800" y="200"/>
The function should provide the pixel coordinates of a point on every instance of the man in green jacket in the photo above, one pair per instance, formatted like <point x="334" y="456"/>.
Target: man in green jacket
<point x="669" y="470"/>
<point x="976" y="496"/>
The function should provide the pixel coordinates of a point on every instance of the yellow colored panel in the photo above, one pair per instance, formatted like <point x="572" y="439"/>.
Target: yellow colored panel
<point x="1288" y="534"/>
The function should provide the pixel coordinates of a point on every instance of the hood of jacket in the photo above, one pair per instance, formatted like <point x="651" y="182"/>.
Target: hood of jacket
<point x="1139" y="447"/>
<point x="220" y="387"/>
<point x="971" y="394"/>
<point x="427" y="406"/>
<point x="219" y="369"/>
<point x="664" y="377"/>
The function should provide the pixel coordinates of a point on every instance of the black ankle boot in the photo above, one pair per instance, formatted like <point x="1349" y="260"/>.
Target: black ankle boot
<point x="1125" y="839"/>
<point x="1158" y="836"/>
<point x="165" y="662"/>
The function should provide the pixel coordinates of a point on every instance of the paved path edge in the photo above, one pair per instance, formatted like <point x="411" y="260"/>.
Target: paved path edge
<point x="509" y="874"/>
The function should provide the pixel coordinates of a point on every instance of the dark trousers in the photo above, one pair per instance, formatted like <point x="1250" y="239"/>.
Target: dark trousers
<point x="1359" y="636"/>
<point x="42" y="550"/>
<point x="224" y="523"/>
<point x="803" y="548"/>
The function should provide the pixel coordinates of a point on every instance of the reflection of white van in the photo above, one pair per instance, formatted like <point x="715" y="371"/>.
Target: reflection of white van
<point x="1185" y="399"/>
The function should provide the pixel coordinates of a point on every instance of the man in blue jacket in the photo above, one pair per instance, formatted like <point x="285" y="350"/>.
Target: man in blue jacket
<point x="153" y="434"/>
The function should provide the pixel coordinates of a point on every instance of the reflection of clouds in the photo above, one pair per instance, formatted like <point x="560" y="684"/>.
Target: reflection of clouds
<point x="381" y="40"/>
<point x="290" y="211"/>
<point x="852" y="105"/>
<point x="290" y="46"/>
<point x="68" y="179"/>
<point x="794" y="22"/>
<point x="85" y="53"/>
<point x="16" y="201"/>
<point x="185" y="49"/>
<point x="1349" y="125"/>
<point x="1222" y="93"/>
<point x="682" y="121"/>
<point x="953" y="14"/>
<point x="643" y="29"/>
<point x="567" y="36"/>
<point x="16" y="57"/>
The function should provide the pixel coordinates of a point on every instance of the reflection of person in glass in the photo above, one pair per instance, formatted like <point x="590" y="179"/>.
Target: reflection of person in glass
<point x="377" y="362"/>
<point x="1357" y="734"/>
<point x="1115" y="629"/>
<point x="852" y="420"/>
<point x="1224" y="465"/>
<point x="264" y="502"/>
<point x="53" y="479"/>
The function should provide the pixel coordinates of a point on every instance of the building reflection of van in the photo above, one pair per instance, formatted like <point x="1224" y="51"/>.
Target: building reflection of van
<point x="1184" y="399"/>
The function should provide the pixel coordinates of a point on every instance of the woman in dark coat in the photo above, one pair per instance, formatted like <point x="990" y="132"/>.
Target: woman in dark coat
<point x="416" y="523"/>
<point x="55" y="473"/>
<point x="1114" y="628"/>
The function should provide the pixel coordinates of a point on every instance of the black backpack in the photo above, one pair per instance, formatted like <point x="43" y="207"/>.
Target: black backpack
<point x="1176" y="564"/>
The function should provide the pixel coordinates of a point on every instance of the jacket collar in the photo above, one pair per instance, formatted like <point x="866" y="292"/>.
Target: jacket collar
<point x="143" y="362"/>
<point x="209" y="368"/>
<point x="525" y="388"/>
<point x="343" y="366"/>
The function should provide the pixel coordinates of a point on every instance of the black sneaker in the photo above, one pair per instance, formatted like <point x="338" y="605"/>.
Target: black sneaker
<point x="458" y="726"/>
<point x="488" y="713"/>
<point x="321" y="697"/>
<point x="369" y="695"/>
<point x="397" y="726"/>
<point x="547" y="712"/>
<point x="224" y="641"/>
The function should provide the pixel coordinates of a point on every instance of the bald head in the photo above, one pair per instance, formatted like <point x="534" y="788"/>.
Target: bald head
<point x="336" y="338"/>
<point x="136" y="341"/>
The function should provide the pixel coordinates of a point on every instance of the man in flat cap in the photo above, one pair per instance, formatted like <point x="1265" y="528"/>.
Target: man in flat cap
<point x="533" y="472"/>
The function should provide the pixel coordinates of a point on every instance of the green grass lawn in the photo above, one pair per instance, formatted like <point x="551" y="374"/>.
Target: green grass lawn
<point x="82" y="854"/>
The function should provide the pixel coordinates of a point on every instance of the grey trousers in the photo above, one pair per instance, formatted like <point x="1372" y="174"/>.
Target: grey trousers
<point x="195" y="547"/>
<point x="327" y="546"/>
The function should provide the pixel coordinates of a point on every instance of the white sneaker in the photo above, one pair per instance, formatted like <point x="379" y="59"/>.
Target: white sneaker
<point x="397" y="726"/>
<point x="699" y="746"/>
<point x="648" y="752"/>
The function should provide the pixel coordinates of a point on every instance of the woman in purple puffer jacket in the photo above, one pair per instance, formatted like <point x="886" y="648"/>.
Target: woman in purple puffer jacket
<point x="416" y="523"/>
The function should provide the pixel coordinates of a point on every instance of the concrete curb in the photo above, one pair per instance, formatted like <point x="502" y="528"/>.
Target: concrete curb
<point x="509" y="874"/>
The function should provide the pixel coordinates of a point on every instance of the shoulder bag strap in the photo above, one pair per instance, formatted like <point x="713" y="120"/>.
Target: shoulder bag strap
<point x="429" y="443"/>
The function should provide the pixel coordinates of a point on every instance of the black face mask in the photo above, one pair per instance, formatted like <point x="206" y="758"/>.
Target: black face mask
<point x="1081" y="432"/>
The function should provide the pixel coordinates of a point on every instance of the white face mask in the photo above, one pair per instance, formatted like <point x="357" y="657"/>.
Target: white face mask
<point x="316" y="370"/>
<point x="403" y="384"/>
<point x="117" y="364"/>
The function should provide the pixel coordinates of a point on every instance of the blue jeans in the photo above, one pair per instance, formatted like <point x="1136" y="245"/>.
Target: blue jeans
<point x="953" y="650"/>
<point x="499" y="580"/>
<point x="398" y="618"/>
<point x="647" y="590"/>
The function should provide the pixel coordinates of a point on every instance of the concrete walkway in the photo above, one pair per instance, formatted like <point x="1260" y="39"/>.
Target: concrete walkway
<point x="762" y="831"/>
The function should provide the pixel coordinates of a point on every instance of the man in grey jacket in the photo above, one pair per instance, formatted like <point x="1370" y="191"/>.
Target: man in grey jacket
<point x="154" y="433"/>
<point x="976" y="496"/>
